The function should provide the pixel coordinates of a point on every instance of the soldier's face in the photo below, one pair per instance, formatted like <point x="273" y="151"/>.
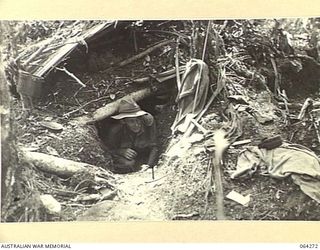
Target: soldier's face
<point x="134" y="124"/>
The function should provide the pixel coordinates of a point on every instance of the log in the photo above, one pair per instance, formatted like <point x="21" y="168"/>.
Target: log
<point x="55" y="165"/>
<point x="110" y="108"/>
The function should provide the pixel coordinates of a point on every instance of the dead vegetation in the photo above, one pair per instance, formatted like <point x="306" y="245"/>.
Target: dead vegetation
<point x="260" y="72"/>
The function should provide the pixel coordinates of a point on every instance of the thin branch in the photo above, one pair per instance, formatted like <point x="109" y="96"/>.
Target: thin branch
<point x="206" y="40"/>
<point x="167" y="32"/>
<point x="84" y="105"/>
<point x="202" y="129"/>
<point x="72" y="76"/>
<point x="33" y="56"/>
<point x="143" y="54"/>
<point x="276" y="74"/>
<point x="177" y="65"/>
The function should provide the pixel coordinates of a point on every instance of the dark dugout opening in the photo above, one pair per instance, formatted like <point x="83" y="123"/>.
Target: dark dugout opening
<point x="160" y="104"/>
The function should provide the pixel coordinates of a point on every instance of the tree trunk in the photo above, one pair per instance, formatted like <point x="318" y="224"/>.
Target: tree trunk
<point x="8" y="146"/>
<point x="5" y="128"/>
<point x="9" y="155"/>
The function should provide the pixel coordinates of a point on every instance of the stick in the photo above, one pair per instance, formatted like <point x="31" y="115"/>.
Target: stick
<point x="221" y="145"/>
<point x="167" y="32"/>
<point x="157" y="179"/>
<point x="135" y="44"/>
<point x="238" y="143"/>
<point x="225" y="23"/>
<point x="165" y="22"/>
<point x="309" y="59"/>
<point x="198" y="87"/>
<point x="184" y="216"/>
<point x="209" y="186"/>
<point x="297" y="105"/>
<point x="316" y="127"/>
<point x="202" y="129"/>
<point x="72" y="76"/>
<point x="64" y="192"/>
<point x="305" y="107"/>
<point x="276" y="81"/>
<point x="75" y="205"/>
<point x="205" y="41"/>
<point x="142" y="54"/>
<point x="284" y="97"/>
<point x="317" y="130"/>
<point x="84" y="105"/>
<point x="96" y="197"/>
<point x="161" y="77"/>
<point x="39" y="50"/>
<point x="211" y="148"/>
<point x="201" y="69"/>
<point x="177" y="65"/>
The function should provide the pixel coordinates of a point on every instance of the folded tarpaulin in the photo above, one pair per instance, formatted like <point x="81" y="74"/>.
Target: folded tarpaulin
<point x="293" y="160"/>
<point x="192" y="93"/>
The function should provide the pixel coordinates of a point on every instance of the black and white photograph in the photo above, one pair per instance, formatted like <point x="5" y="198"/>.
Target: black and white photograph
<point x="160" y="120"/>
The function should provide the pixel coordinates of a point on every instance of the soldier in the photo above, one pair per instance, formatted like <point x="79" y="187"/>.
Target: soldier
<point x="132" y="139"/>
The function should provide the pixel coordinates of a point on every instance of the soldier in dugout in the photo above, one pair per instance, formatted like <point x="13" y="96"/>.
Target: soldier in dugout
<point x="132" y="138"/>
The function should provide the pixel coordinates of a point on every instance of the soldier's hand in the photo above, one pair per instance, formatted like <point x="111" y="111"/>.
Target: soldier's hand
<point x="128" y="153"/>
<point x="144" y="167"/>
<point x="148" y="119"/>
